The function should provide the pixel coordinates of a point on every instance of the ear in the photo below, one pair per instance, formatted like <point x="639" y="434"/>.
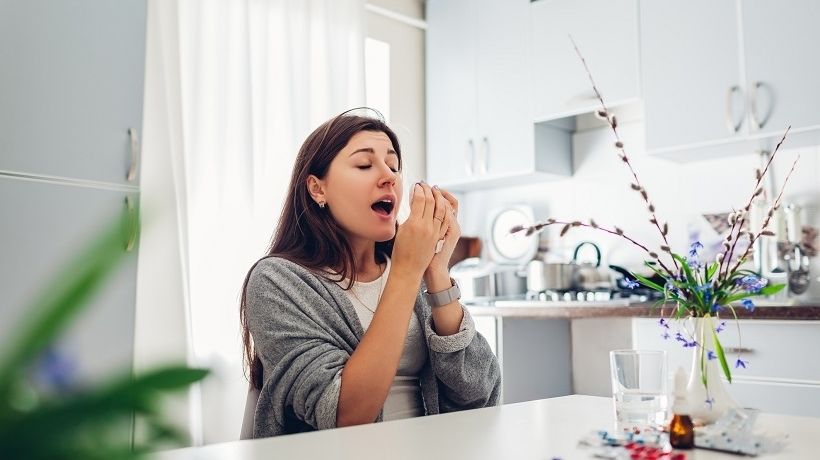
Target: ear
<point x="316" y="188"/>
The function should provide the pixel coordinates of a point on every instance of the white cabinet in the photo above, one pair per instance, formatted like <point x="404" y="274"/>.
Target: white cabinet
<point x="732" y="83"/>
<point x="71" y="85"/>
<point x="606" y="32"/>
<point x="480" y="128"/>
<point x="782" y="376"/>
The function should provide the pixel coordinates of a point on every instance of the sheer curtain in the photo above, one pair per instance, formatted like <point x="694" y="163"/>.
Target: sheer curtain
<point x="233" y="87"/>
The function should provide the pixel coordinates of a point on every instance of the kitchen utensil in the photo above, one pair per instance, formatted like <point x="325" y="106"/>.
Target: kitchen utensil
<point x="543" y="276"/>
<point x="481" y="279"/>
<point x="586" y="273"/>
<point x="511" y="248"/>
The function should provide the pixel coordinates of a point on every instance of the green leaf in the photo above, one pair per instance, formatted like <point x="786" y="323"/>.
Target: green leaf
<point x="710" y="271"/>
<point x="721" y="355"/>
<point x="772" y="289"/>
<point x="645" y="281"/>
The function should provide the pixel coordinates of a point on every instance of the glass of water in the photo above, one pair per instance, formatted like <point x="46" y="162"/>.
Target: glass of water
<point x="639" y="388"/>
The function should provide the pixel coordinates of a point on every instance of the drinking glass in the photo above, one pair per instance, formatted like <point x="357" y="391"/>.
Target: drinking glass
<point x="639" y="387"/>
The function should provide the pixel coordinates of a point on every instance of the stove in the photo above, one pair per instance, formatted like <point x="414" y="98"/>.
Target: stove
<point x="597" y="295"/>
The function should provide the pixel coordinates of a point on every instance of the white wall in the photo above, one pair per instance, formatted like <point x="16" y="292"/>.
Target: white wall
<point x="599" y="189"/>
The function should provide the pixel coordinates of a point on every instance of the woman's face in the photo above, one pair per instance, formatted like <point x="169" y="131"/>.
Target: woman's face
<point x="363" y="187"/>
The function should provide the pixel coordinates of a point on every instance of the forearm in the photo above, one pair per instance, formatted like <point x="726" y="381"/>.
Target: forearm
<point x="368" y="374"/>
<point x="447" y="318"/>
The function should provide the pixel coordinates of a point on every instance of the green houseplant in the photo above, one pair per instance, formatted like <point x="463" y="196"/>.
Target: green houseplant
<point x="699" y="292"/>
<point x="85" y="423"/>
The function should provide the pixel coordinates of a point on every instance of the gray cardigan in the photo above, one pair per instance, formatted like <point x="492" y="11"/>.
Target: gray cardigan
<point x="304" y="329"/>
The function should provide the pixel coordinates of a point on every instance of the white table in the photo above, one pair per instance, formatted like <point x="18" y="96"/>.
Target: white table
<point x="544" y="429"/>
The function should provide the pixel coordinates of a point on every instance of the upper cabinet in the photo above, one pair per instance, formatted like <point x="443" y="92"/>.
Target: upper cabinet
<point x="72" y="84"/>
<point x="606" y="32"/>
<point x="479" y="122"/>
<point x="729" y="84"/>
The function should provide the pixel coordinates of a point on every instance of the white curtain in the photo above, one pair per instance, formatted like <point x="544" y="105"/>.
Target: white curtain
<point x="242" y="83"/>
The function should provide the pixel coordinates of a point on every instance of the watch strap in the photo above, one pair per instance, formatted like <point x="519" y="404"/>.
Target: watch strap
<point x="440" y="299"/>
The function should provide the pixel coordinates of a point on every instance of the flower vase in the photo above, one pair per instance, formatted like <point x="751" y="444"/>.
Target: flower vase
<point x="708" y="402"/>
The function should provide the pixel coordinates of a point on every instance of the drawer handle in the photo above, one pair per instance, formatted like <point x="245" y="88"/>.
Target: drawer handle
<point x="135" y="154"/>
<point x="737" y="350"/>
<point x="759" y="123"/>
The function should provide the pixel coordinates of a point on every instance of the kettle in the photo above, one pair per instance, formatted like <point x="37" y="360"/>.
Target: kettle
<point x="587" y="275"/>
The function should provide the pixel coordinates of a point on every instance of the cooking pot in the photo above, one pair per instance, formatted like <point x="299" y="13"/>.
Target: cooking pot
<point x="587" y="275"/>
<point x="482" y="280"/>
<point x="543" y="276"/>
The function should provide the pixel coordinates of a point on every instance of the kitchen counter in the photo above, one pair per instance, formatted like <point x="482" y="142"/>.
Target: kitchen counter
<point x="542" y="429"/>
<point x="625" y="309"/>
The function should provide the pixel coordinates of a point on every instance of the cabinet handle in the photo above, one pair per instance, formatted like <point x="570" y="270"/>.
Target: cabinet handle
<point x="759" y="124"/>
<point x="730" y="123"/>
<point x="485" y="155"/>
<point x="135" y="154"/>
<point x="737" y="350"/>
<point x="469" y="158"/>
<point x="132" y="223"/>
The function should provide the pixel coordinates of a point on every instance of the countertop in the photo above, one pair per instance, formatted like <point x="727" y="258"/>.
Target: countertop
<point x="543" y="429"/>
<point x="625" y="308"/>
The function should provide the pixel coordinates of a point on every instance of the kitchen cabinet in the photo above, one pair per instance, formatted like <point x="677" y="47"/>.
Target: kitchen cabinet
<point x="480" y="128"/>
<point x="732" y="83"/>
<point x="72" y="76"/>
<point x="43" y="228"/>
<point x="779" y="378"/>
<point x="606" y="32"/>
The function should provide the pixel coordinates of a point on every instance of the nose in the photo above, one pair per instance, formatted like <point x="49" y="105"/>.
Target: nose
<point x="388" y="177"/>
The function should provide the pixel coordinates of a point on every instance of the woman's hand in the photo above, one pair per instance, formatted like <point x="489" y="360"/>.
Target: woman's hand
<point x="415" y="243"/>
<point x="450" y="232"/>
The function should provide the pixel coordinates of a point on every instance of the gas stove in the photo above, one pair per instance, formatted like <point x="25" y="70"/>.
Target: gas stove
<point x="598" y="295"/>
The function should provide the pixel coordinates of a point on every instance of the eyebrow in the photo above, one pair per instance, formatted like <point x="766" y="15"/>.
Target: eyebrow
<point x="371" y="151"/>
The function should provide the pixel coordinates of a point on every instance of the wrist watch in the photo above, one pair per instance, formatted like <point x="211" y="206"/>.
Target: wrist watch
<point x="440" y="299"/>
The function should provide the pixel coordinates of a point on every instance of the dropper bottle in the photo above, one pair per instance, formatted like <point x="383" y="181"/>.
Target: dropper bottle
<point x="681" y="429"/>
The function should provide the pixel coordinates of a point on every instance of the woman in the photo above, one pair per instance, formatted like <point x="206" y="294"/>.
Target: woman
<point x="338" y="329"/>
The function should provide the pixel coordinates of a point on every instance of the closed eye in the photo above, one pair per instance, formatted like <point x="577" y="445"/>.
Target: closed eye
<point x="364" y="167"/>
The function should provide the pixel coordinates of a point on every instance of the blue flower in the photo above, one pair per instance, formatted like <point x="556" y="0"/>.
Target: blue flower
<point x="56" y="370"/>
<point x="740" y="363"/>
<point x="710" y="355"/>
<point x="752" y="283"/>
<point x="694" y="247"/>
<point x="679" y="337"/>
<point x="693" y="263"/>
<point x="665" y="336"/>
<point x="716" y="308"/>
<point x="710" y="401"/>
<point x="720" y="327"/>
<point x="748" y="304"/>
<point x="631" y="284"/>
<point x="691" y="344"/>
<point x="663" y="323"/>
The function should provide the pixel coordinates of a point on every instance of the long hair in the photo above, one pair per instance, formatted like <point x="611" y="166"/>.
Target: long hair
<point x="307" y="234"/>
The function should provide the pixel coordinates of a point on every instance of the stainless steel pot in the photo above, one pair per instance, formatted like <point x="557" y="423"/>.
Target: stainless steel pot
<point x="543" y="276"/>
<point x="479" y="280"/>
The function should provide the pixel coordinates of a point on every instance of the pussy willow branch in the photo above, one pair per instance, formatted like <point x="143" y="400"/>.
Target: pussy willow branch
<point x="774" y="207"/>
<point x="620" y="146"/>
<point x="567" y="225"/>
<point x="726" y="261"/>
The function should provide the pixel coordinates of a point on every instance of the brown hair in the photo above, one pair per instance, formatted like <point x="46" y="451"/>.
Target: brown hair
<point x="307" y="234"/>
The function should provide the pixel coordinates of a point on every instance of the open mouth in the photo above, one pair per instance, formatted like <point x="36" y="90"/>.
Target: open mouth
<point x="383" y="207"/>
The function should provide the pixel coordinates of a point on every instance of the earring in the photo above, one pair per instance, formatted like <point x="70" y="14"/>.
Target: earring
<point x="322" y="204"/>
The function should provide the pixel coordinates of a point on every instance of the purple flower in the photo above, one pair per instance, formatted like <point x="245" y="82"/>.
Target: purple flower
<point x="631" y="284"/>
<point x="691" y="344"/>
<point x="710" y="402"/>
<point x="679" y="337"/>
<point x="720" y="327"/>
<point x="740" y="363"/>
<point x="716" y="308"/>
<point x="693" y="263"/>
<point x="665" y="336"/>
<point x="663" y="323"/>
<point x="694" y="247"/>
<point x="748" y="304"/>
<point x="56" y="370"/>
<point x="710" y="355"/>
<point x="752" y="283"/>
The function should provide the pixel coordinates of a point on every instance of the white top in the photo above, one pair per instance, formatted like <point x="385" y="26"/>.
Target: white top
<point x="544" y="429"/>
<point x="404" y="399"/>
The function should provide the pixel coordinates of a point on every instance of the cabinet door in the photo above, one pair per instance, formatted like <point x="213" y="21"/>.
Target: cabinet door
<point x="72" y="86"/>
<point x="451" y="90"/>
<point x="606" y="32"/>
<point x="43" y="227"/>
<point x="782" y="63"/>
<point x="690" y="66"/>
<point x="505" y="134"/>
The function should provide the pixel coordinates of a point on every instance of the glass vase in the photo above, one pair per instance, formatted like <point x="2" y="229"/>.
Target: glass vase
<point x="707" y="402"/>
